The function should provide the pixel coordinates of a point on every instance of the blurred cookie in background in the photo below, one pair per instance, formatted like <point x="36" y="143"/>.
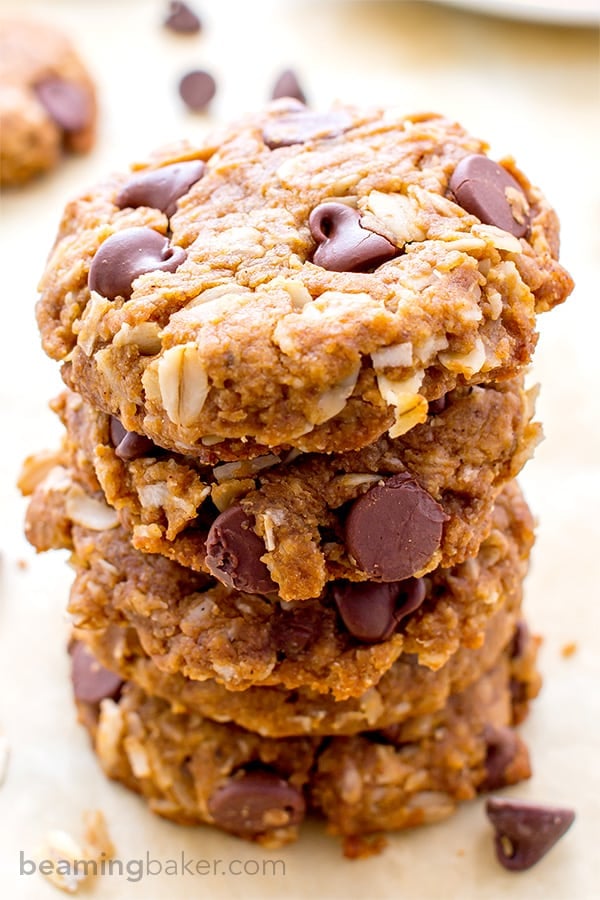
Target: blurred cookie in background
<point x="47" y="100"/>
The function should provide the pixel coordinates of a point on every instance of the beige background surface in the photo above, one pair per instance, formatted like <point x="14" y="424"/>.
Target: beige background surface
<point x="531" y="90"/>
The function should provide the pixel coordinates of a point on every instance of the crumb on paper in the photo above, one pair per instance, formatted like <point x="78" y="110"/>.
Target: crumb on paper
<point x="22" y="564"/>
<point x="361" y="846"/>
<point x="569" y="649"/>
<point x="68" y="864"/>
<point x="4" y="757"/>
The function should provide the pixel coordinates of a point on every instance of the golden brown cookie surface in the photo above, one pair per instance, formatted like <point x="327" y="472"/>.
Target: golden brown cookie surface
<point x="318" y="283"/>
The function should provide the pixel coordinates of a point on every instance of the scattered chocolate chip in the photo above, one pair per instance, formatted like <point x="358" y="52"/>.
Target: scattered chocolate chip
<point x="182" y="19"/>
<point x="303" y="125"/>
<point x="486" y="190"/>
<point x="294" y="630"/>
<point x="502" y="747"/>
<point x="343" y="245"/>
<point x="251" y="803"/>
<point x="287" y="85"/>
<point x="129" y="444"/>
<point x="525" y="832"/>
<point x="233" y="552"/>
<point x="91" y="681"/>
<point x="438" y="406"/>
<point x="371" y="612"/>
<point x="68" y="104"/>
<point x="197" y="89"/>
<point x="161" y="188"/>
<point x="393" y="530"/>
<point x="126" y="255"/>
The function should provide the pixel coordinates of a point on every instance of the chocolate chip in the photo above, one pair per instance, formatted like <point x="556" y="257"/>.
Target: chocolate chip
<point x="67" y="104"/>
<point x="488" y="191"/>
<point x="371" y="612"/>
<point x="197" y="89"/>
<point x="128" y="444"/>
<point x="287" y="85"/>
<point x="294" y="630"/>
<point x="91" y="681"/>
<point x="525" y="832"/>
<point x="161" y="188"/>
<point x="502" y="748"/>
<point x="343" y="245"/>
<point x="253" y="802"/>
<point x="303" y="125"/>
<point x="182" y="19"/>
<point x="233" y="552"/>
<point x="393" y="530"/>
<point x="126" y="255"/>
<point x="437" y="406"/>
<point x="520" y="640"/>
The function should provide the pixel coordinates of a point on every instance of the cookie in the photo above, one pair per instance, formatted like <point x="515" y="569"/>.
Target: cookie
<point x="47" y="100"/>
<point x="396" y="509"/>
<point x="341" y="642"/>
<point x="404" y="691"/>
<point x="192" y="770"/>
<point x="299" y="280"/>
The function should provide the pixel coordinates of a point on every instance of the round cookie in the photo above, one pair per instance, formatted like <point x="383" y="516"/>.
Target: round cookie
<point x="254" y="317"/>
<point x="187" y="623"/>
<point x="306" y="519"/>
<point x="47" y="100"/>
<point x="192" y="770"/>
<point x="404" y="691"/>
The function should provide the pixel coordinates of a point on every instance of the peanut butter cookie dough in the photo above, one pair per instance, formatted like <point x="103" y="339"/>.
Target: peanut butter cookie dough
<point x="47" y="100"/>
<point x="341" y="642"/>
<point x="192" y="770"/>
<point x="406" y="690"/>
<point x="299" y="279"/>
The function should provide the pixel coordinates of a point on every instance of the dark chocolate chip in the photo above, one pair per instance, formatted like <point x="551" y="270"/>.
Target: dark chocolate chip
<point x="295" y="630"/>
<point x="525" y="832"/>
<point x="197" y="89"/>
<point x="343" y="245"/>
<point x="233" y="552"/>
<point x="502" y="748"/>
<point x="67" y="104"/>
<point x="129" y="444"/>
<point x="438" y="406"/>
<point x="520" y="640"/>
<point x="303" y="125"/>
<point x="393" y="530"/>
<point x="287" y="85"/>
<point x="371" y="612"/>
<point x="182" y="19"/>
<point x="161" y="188"/>
<point x="251" y="803"/>
<point x="91" y="681"/>
<point x="126" y="255"/>
<point x="486" y="190"/>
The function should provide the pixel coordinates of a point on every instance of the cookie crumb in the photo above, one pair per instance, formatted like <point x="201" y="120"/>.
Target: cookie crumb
<point x="22" y="565"/>
<point x="361" y="846"/>
<point x="69" y="865"/>
<point x="568" y="650"/>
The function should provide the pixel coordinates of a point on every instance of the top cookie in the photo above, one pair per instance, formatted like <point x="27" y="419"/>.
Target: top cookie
<point x="301" y="279"/>
<point x="47" y="100"/>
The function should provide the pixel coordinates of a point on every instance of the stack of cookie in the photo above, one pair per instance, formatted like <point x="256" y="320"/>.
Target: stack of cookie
<point x="295" y="414"/>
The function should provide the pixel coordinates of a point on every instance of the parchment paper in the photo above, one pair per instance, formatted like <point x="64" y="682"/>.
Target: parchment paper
<point x="532" y="91"/>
